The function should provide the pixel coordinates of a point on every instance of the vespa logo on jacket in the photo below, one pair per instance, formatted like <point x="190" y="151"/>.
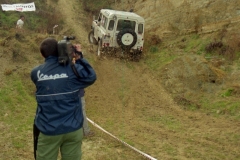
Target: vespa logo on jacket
<point x="42" y="77"/>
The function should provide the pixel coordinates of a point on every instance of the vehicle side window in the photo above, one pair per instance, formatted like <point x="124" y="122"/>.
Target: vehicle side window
<point x="140" y="28"/>
<point x="123" y="24"/>
<point x="103" y="20"/>
<point x="111" y="25"/>
<point x="105" y="23"/>
<point x="99" y="17"/>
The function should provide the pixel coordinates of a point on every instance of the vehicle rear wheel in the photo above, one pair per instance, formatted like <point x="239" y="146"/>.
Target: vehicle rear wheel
<point x="91" y="38"/>
<point x="127" y="38"/>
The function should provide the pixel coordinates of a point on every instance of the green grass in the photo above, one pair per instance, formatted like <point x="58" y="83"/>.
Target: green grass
<point x="15" y="93"/>
<point x="16" y="116"/>
<point x="225" y="104"/>
<point x="167" y="121"/>
<point x="156" y="60"/>
<point x="154" y="49"/>
<point x="195" y="43"/>
<point x="170" y="149"/>
<point x="191" y="107"/>
<point x="18" y="109"/>
<point x="190" y="152"/>
<point x="227" y="93"/>
<point x="230" y="108"/>
<point x="201" y="47"/>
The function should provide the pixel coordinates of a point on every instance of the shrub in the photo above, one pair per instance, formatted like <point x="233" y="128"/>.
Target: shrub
<point x="213" y="46"/>
<point x="95" y="5"/>
<point x="153" y="49"/>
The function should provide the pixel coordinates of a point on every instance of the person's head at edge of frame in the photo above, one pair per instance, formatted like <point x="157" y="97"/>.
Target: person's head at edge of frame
<point x="49" y="47"/>
<point x="22" y="17"/>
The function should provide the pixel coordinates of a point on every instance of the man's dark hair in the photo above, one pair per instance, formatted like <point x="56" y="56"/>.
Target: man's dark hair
<point x="48" y="47"/>
<point x="21" y="16"/>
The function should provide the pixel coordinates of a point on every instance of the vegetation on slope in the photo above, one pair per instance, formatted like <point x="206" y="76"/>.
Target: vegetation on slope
<point x="18" y="57"/>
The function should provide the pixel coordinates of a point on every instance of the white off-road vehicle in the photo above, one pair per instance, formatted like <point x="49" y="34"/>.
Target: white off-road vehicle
<point x="118" y="29"/>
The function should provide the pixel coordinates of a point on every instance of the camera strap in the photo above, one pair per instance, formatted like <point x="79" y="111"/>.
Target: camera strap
<point x="74" y="69"/>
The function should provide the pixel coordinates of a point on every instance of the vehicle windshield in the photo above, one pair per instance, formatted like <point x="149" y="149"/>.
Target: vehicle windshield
<point x="123" y="24"/>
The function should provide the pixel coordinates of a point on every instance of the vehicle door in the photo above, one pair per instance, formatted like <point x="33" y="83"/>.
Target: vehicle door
<point x="102" y="27"/>
<point x="140" y="35"/>
<point x="97" y="26"/>
<point x="104" y="31"/>
<point x="111" y="32"/>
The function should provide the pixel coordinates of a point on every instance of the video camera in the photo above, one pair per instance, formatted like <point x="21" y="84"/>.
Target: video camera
<point x="65" y="50"/>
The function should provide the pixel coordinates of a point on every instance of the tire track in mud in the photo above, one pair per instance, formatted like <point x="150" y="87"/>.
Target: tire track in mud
<point x="74" y="20"/>
<point x="147" y="110"/>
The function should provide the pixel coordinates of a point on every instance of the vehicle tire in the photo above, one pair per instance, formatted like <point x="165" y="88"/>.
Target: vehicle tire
<point x="91" y="38"/>
<point x="99" y="49"/>
<point x="127" y="38"/>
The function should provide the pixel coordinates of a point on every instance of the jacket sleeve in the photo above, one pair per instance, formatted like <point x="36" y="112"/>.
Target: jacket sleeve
<point x="33" y="75"/>
<point x="85" y="71"/>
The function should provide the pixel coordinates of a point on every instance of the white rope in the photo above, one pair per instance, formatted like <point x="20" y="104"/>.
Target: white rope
<point x="142" y="153"/>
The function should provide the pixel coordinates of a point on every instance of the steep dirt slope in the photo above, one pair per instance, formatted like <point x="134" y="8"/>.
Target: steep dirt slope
<point x="74" y="20"/>
<point x="169" y="18"/>
<point x="129" y="101"/>
<point x="132" y="104"/>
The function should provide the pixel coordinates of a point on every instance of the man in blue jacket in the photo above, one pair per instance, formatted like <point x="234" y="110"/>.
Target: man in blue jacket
<point x="59" y="115"/>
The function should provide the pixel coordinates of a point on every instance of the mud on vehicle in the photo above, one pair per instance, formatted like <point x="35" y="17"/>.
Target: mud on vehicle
<point x="118" y="30"/>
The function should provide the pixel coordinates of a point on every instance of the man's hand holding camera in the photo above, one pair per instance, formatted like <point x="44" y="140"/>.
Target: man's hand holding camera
<point x="77" y="52"/>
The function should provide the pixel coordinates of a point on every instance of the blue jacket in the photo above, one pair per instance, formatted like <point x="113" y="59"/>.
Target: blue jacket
<point x="59" y="109"/>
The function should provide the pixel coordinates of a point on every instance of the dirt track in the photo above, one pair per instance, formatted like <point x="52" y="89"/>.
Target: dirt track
<point x="130" y="102"/>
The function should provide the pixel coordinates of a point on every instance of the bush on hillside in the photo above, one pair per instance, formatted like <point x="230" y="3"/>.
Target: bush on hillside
<point x="95" y="5"/>
<point x="230" y="49"/>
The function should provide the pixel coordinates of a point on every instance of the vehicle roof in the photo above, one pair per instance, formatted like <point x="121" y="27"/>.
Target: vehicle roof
<point x="110" y="13"/>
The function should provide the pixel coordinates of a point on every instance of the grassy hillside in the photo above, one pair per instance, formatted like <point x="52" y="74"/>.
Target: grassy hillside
<point x="160" y="105"/>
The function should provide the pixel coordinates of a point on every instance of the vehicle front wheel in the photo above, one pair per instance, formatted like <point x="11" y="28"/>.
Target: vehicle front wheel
<point x="91" y="38"/>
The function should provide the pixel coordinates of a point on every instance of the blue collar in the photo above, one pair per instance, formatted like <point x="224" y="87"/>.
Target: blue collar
<point x="51" y="58"/>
